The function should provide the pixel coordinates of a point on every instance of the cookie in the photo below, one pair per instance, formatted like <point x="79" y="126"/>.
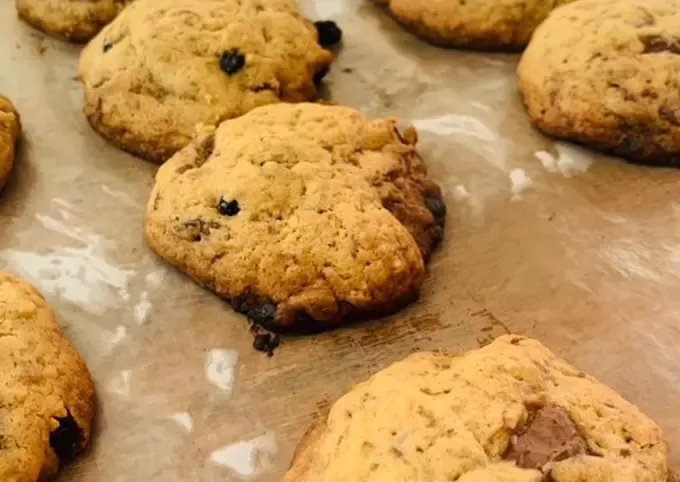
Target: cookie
<point x="9" y="131"/>
<point x="74" y="20"/>
<point x="46" y="394"/>
<point x="605" y="73"/>
<point x="483" y="24"/>
<point x="303" y="216"/>
<point x="165" y="66"/>
<point x="509" y="412"/>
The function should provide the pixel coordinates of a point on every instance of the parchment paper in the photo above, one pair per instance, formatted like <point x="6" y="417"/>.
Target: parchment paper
<point x="543" y="238"/>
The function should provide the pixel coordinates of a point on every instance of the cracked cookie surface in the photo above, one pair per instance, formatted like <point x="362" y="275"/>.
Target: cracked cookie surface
<point x="164" y="67"/>
<point x="606" y="73"/>
<point x="490" y="24"/>
<point x="303" y="216"/>
<point x="10" y="129"/>
<point x="509" y="412"/>
<point x="74" y="20"/>
<point x="46" y="394"/>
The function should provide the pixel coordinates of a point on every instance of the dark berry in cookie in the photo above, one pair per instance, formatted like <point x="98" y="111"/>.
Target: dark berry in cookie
<point x="318" y="77"/>
<point x="329" y="33"/>
<point x="266" y="343"/>
<point x="67" y="439"/>
<point x="263" y="314"/>
<point x="228" y="208"/>
<point x="437" y="207"/>
<point x="232" y="61"/>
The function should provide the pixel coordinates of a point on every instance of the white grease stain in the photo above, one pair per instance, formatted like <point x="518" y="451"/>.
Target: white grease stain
<point x="519" y="182"/>
<point x="184" y="420"/>
<point x="120" y="385"/>
<point x="142" y="308"/>
<point x="455" y="124"/>
<point x="247" y="458"/>
<point x="220" y="368"/>
<point x="460" y="192"/>
<point x="570" y="159"/>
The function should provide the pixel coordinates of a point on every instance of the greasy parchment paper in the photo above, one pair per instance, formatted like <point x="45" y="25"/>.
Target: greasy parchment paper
<point x="543" y="238"/>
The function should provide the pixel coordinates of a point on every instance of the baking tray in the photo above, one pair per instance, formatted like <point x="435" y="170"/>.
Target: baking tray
<point x="543" y="238"/>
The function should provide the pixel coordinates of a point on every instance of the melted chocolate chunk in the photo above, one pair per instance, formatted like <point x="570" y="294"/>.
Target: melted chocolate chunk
<point x="67" y="439"/>
<point x="232" y="61"/>
<point x="329" y="33"/>
<point x="550" y="436"/>
<point x="656" y="43"/>
<point x="228" y="208"/>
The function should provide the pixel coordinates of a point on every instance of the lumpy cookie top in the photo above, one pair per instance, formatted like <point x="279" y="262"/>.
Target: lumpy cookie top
<point x="509" y="412"/>
<point x="606" y="72"/>
<point x="74" y="20"/>
<point x="9" y="131"/>
<point x="300" y="214"/>
<point x="494" y="24"/>
<point x="46" y="394"/>
<point x="162" y="67"/>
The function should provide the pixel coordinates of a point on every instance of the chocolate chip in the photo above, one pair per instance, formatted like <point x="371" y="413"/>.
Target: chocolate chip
<point x="107" y="47"/>
<point x="329" y="33"/>
<point x="437" y="207"/>
<point x="228" y="208"/>
<point x="266" y="343"/>
<point x="320" y="74"/>
<point x="232" y="61"/>
<point x="67" y="439"/>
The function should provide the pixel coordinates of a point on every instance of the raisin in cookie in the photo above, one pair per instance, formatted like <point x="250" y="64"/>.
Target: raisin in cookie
<point x="607" y="73"/>
<point x="485" y="24"/>
<point x="301" y="215"/>
<point x="164" y="66"/>
<point x="75" y="20"/>
<point x="9" y="131"/>
<point x="46" y="394"/>
<point x="509" y="412"/>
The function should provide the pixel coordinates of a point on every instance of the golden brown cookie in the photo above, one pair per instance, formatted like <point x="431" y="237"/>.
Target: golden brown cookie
<point x="509" y="412"/>
<point x="46" y="394"/>
<point x="301" y="215"/>
<point x="75" y="20"/>
<point x="605" y="73"/>
<point x="484" y="24"/>
<point x="9" y="131"/>
<point x="164" y="66"/>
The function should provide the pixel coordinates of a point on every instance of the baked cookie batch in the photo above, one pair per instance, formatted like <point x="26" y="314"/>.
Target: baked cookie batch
<point x="304" y="216"/>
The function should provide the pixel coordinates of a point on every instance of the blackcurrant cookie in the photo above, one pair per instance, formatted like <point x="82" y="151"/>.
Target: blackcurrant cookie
<point x="165" y="66"/>
<point x="9" y="131"/>
<point x="303" y="216"/>
<point x="46" y="393"/>
<point x="74" y="20"/>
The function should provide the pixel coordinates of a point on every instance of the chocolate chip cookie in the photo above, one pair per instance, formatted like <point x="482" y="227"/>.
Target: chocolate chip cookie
<point x="484" y="24"/>
<point x="74" y="20"/>
<point x="9" y="131"/>
<point x="606" y="73"/>
<point x="46" y="394"/>
<point x="163" y="67"/>
<point x="510" y="412"/>
<point x="301" y="215"/>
